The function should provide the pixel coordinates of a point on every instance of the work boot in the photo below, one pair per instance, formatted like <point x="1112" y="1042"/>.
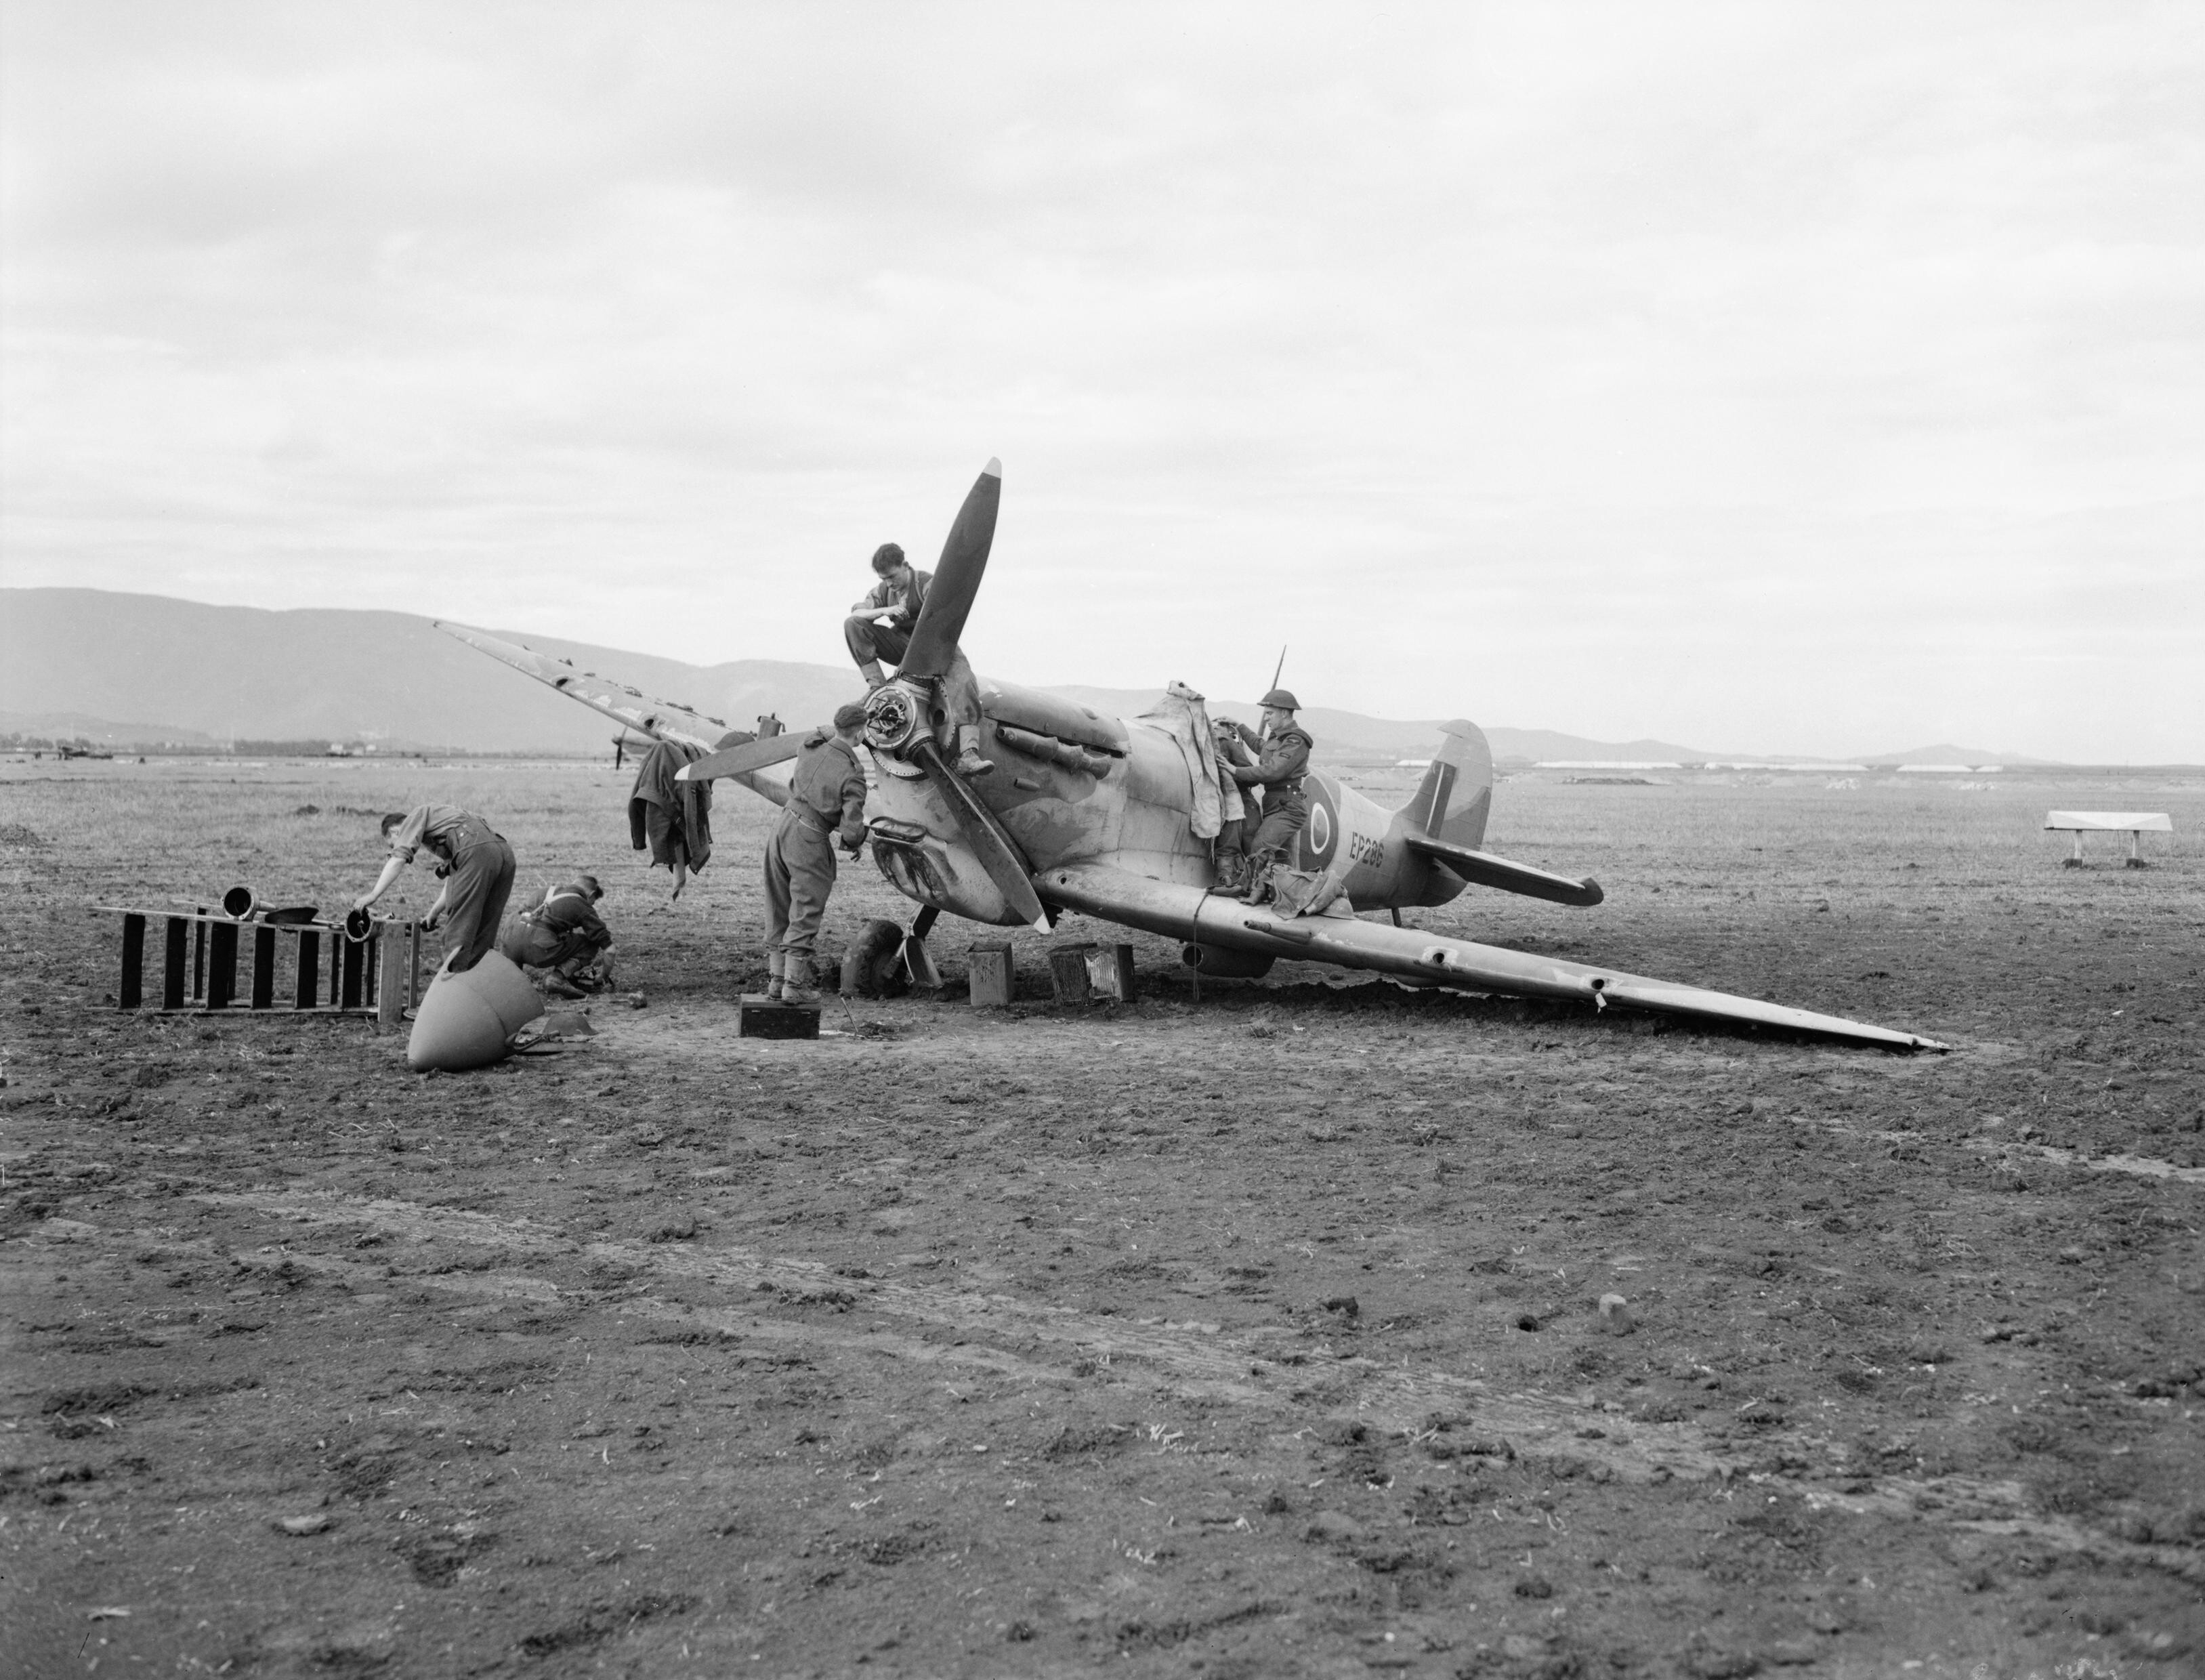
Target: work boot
<point x="1232" y="882"/>
<point x="773" y="963"/>
<point x="969" y="761"/>
<point x="1256" y="885"/>
<point x="796" y="987"/>
<point x="875" y="677"/>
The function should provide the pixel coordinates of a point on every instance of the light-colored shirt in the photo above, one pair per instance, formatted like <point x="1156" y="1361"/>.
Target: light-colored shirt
<point x="436" y="827"/>
<point x="903" y="603"/>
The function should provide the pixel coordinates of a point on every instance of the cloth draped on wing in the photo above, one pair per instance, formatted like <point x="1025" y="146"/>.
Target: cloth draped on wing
<point x="1182" y="714"/>
<point x="662" y="811"/>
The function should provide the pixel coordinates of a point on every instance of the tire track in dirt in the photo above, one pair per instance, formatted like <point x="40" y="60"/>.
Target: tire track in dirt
<point x="1241" y="1368"/>
<point x="2142" y="1166"/>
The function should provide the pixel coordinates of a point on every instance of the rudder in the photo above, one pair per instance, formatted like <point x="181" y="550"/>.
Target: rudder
<point x="1456" y="795"/>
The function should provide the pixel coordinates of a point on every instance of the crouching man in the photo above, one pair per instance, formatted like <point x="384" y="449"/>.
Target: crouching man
<point x="563" y="941"/>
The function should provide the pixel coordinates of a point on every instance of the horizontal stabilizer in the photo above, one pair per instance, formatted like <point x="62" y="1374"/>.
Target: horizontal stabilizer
<point x="1482" y="868"/>
<point x="740" y="761"/>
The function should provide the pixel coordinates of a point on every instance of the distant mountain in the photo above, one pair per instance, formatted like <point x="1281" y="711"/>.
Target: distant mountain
<point x="71" y="660"/>
<point x="228" y="673"/>
<point x="101" y="731"/>
<point x="1947" y="753"/>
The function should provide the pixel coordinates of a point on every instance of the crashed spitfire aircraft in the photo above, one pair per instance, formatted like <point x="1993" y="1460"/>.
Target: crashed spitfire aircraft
<point x="1098" y="815"/>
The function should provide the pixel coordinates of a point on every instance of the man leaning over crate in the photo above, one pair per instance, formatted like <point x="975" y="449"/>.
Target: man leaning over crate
<point x="475" y="865"/>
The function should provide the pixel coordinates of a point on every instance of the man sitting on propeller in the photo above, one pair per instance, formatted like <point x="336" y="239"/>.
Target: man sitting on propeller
<point x="880" y="627"/>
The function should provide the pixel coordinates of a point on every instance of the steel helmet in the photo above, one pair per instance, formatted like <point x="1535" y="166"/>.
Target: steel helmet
<point x="1282" y="698"/>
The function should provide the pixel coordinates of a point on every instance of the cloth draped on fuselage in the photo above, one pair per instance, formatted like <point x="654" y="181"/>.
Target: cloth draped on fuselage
<point x="662" y="811"/>
<point x="1182" y="714"/>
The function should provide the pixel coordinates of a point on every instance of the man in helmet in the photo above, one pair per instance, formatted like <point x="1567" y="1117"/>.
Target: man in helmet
<point x="826" y="803"/>
<point x="1282" y="750"/>
<point x="561" y="935"/>
<point x="879" y="626"/>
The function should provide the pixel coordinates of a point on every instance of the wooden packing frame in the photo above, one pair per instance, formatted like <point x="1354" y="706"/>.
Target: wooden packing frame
<point x="379" y="976"/>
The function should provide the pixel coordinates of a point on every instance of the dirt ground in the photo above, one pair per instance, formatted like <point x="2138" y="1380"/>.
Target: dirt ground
<point x="1251" y="1335"/>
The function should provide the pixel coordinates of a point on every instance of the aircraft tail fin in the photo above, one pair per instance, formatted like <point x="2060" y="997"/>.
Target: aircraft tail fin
<point x="1456" y="795"/>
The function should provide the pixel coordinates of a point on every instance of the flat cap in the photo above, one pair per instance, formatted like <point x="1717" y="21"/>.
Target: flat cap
<point x="850" y="714"/>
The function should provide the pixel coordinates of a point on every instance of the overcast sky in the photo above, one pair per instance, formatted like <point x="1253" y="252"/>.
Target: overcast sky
<point x="1768" y="378"/>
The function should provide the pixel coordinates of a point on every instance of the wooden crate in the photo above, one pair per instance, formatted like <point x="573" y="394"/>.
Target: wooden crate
<point x="1110" y="973"/>
<point x="757" y="1016"/>
<point x="993" y="977"/>
<point x="1068" y="972"/>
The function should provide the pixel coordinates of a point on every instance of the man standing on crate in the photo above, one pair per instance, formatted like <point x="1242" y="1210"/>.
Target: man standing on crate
<point x="475" y="865"/>
<point x="826" y="802"/>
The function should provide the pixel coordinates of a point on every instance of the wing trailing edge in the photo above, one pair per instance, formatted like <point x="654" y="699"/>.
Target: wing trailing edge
<point x="1482" y="868"/>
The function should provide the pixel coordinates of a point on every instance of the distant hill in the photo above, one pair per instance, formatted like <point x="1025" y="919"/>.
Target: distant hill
<point x="1947" y="753"/>
<point x="229" y="671"/>
<point x="73" y="660"/>
<point x="101" y="731"/>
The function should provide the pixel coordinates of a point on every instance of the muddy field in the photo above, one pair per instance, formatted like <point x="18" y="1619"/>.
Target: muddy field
<point x="1253" y="1335"/>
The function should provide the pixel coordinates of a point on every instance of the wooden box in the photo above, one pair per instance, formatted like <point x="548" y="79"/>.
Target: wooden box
<point x="988" y="965"/>
<point x="1068" y="972"/>
<point x="1110" y="973"/>
<point x="757" y="1016"/>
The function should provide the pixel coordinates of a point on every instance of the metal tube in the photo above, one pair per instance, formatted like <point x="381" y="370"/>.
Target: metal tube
<point x="131" y="992"/>
<point x="307" y="989"/>
<point x="172" y="967"/>
<point x="263" y="967"/>
<point x="222" y="964"/>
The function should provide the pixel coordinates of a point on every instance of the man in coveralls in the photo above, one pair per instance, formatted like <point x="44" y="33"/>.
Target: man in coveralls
<point x="475" y="865"/>
<point x="826" y="802"/>
<point x="1282" y="752"/>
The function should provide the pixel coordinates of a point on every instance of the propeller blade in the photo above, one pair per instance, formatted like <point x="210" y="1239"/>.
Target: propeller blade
<point x="998" y="852"/>
<point x="741" y="760"/>
<point x="957" y="580"/>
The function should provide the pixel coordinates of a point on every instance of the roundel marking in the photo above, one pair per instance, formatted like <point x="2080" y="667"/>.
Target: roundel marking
<point x="1319" y="829"/>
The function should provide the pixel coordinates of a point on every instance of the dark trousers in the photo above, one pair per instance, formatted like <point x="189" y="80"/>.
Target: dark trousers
<point x="868" y="640"/>
<point x="531" y="945"/>
<point x="800" y="875"/>
<point x="475" y="892"/>
<point x="1284" y="819"/>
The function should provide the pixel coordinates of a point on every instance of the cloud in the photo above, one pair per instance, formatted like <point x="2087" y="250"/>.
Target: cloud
<point x="1627" y="369"/>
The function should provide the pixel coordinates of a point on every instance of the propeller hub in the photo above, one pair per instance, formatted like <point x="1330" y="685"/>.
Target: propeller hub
<point x="895" y="716"/>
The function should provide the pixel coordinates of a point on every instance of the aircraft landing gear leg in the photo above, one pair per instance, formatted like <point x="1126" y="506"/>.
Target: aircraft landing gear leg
<point x="917" y="961"/>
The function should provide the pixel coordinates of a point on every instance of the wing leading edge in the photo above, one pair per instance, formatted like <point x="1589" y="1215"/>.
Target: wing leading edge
<point x="1195" y="917"/>
<point x="661" y="720"/>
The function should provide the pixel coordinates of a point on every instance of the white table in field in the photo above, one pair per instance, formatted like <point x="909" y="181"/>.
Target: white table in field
<point x="2136" y="824"/>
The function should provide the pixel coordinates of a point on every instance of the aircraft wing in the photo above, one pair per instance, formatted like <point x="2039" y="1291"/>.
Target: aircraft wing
<point x="1191" y="915"/>
<point x="1482" y="868"/>
<point x="661" y="720"/>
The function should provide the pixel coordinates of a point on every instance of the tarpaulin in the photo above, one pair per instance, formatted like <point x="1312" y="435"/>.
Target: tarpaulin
<point x="1182" y="714"/>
